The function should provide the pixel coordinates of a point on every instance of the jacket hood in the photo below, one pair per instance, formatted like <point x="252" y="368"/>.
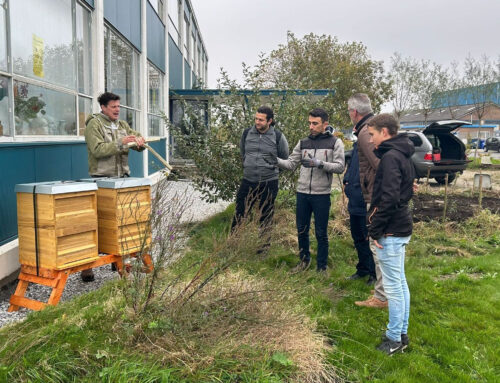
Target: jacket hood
<point x="326" y="134"/>
<point x="399" y="142"/>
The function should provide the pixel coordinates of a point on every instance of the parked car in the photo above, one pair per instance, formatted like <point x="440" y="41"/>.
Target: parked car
<point x="437" y="149"/>
<point x="492" y="143"/>
<point x="473" y="143"/>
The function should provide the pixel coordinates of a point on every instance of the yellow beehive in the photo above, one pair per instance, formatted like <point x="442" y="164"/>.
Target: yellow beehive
<point x="123" y="209"/>
<point x="66" y="224"/>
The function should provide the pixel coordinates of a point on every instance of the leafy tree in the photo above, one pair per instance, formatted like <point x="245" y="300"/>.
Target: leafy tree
<point x="313" y="62"/>
<point x="323" y="62"/>
<point x="431" y="79"/>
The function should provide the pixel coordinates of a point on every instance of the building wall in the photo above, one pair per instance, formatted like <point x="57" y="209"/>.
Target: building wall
<point x="48" y="85"/>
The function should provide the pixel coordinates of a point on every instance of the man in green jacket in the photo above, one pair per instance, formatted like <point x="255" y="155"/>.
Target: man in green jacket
<point x="108" y="140"/>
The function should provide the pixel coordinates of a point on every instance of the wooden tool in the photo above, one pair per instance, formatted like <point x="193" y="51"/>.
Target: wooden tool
<point x="153" y="152"/>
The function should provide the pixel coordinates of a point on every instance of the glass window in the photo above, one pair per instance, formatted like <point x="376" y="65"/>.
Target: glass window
<point x="173" y="12"/>
<point x="3" y="37"/>
<point x="84" y="49"/>
<point x="42" y="111"/>
<point x="130" y="116"/>
<point x="155" y="80"/>
<point x="186" y="37"/>
<point x="155" y="91"/>
<point x="84" y="110"/>
<point x="192" y="49"/>
<point x="4" y="107"/>
<point x="42" y="46"/>
<point x="155" y="124"/>
<point x="158" y="7"/>
<point x="121" y="64"/>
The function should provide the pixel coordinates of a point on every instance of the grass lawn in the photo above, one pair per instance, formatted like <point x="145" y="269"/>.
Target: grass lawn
<point x="452" y="270"/>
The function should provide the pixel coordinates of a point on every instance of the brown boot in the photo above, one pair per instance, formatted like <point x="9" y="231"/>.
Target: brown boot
<point x="373" y="303"/>
<point x="87" y="275"/>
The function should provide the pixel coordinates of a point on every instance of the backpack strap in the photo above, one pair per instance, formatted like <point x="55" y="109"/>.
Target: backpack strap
<point x="277" y="132"/>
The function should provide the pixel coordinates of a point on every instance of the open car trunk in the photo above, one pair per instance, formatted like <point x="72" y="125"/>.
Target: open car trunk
<point x="452" y="150"/>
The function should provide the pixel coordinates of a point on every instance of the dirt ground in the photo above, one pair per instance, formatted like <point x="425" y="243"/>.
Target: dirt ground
<point x="428" y="203"/>
<point x="427" y="207"/>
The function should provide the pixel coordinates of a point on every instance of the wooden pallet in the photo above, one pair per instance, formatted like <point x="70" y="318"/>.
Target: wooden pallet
<point x="56" y="279"/>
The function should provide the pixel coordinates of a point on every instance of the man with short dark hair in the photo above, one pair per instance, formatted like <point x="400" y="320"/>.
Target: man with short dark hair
<point x="260" y="179"/>
<point x="108" y="140"/>
<point x="390" y="223"/>
<point x="360" y="111"/>
<point x="320" y="155"/>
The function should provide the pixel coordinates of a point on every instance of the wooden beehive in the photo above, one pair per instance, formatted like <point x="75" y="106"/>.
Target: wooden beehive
<point x="123" y="209"/>
<point x="66" y="224"/>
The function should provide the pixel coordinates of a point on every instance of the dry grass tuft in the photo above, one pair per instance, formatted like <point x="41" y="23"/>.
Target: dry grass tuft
<point x="240" y="317"/>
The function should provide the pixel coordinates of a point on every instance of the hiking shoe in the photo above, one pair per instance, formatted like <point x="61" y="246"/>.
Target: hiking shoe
<point x="371" y="281"/>
<point x="87" y="275"/>
<point x="373" y="303"/>
<point x="405" y="341"/>
<point x="301" y="266"/>
<point x="390" y="346"/>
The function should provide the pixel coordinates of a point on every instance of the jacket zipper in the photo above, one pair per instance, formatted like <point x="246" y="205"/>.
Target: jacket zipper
<point x="311" y="178"/>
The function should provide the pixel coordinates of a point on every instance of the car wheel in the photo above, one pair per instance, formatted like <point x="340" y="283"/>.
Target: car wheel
<point x="442" y="179"/>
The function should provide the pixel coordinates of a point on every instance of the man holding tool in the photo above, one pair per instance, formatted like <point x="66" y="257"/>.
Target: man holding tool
<point x="108" y="142"/>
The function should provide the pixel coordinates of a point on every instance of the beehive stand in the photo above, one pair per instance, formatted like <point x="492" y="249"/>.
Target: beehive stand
<point x="56" y="279"/>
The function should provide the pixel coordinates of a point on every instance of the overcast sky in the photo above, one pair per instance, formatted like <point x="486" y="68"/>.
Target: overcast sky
<point x="236" y="31"/>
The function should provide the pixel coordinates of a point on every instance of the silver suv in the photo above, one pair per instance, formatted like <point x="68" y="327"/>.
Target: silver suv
<point x="437" y="149"/>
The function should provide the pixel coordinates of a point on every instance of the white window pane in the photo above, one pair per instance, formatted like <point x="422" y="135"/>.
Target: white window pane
<point x="3" y="38"/>
<point x="173" y="12"/>
<point x="155" y="90"/>
<point x="121" y="69"/>
<point x="41" y="111"/>
<point x="42" y="46"/>
<point x="84" y="110"/>
<point x="84" y="49"/>
<point x="130" y="116"/>
<point x="154" y="126"/>
<point x="4" y="107"/>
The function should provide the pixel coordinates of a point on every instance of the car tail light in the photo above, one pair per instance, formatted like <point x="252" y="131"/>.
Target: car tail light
<point x="436" y="156"/>
<point x="428" y="156"/>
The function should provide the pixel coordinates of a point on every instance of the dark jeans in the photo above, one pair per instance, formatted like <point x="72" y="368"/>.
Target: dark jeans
<point x="319" y="204"/>
<point x="251" y="192"/>
<point x="359" y="233"/>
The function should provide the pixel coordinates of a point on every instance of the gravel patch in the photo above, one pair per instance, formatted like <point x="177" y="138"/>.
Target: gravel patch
<point x="196" y="210"/>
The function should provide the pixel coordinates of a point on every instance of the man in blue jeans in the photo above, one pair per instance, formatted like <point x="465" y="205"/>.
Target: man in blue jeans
<point x="390" y="223"/>
<point x="320" y="155"/>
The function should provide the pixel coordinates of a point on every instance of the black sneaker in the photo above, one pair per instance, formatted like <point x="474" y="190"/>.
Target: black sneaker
<point x="405" y="341"/>
<point x="389" y="346"/>
<point x="302" y="266"/>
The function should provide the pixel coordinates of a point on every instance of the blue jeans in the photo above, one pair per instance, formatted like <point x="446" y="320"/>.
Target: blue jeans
<point x="319" y="204"/>
<point x="392" y="264"/>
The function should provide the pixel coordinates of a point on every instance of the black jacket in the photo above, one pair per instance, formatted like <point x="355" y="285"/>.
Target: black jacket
<point x="393" y="188"/>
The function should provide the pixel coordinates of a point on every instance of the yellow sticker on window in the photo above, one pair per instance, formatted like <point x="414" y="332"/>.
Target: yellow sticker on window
<point x="38" y="51"/>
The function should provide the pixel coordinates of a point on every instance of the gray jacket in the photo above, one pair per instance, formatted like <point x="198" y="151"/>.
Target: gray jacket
<point x="255" y="168"/>
<point x="324" y="147"/>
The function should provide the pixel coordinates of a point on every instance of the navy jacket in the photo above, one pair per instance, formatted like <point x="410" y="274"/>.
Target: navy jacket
<point x="352" y="189"/>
